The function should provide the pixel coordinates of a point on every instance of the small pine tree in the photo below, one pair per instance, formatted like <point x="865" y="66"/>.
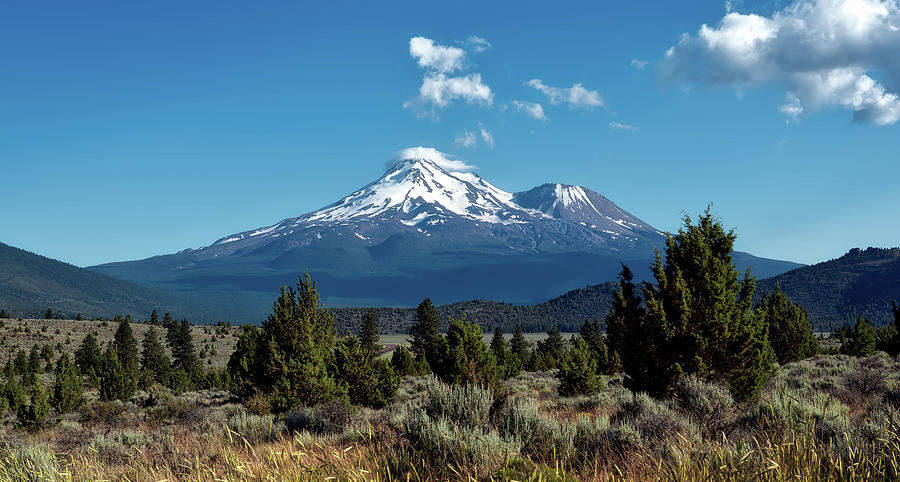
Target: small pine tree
<point x="48" y="315"/>
<point x="519" y="345"/>
<point x="68" y="389"/>
<point x="181" y="343"/>
<point x="554" y="346"/>
<point x="243" y="364"/>
<point x="15" y="395"/>
<point x="790" y="332"/>
<point x="4" y="314"/>
<point x="577" y="373"/>
<point x="38" y="409"/>
<point x="592" y="333"/>
<point x="115" y="382"/>
<point x="154" y="358"/>
<point x="861" y="339"/>
<point x="468" y="359"/>
<point x="404" y="364"/>
<point x="79" y="317"/>
<point x="154" y="318"/>
<point x="88" y="356"/>
<point x="355" y="370"/>
<point x="368" y="335"/>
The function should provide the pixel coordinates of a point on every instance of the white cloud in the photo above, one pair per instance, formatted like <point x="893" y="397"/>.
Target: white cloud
<point x="466" y="140"/>
<point x="623" y="127"/>
<point x="823" y="52"/>
<point x="443" y="160"/>
<point x="486" y="136"/>
<point x="533" y="109"/>
<point x="639" y="64"/>
<point x="439" y="88"/>
<point x="575" y="96"/>
<point x="436" y="57"/>
<point x="478" y="44"/>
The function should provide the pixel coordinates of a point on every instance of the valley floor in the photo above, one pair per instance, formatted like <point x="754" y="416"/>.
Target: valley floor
<point x="826" y="418"/>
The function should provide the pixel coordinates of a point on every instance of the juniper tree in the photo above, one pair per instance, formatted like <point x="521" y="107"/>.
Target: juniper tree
<point x="592" y="334"/>
<point x="154" y="318"/>
<point x="243" y="365"/>
<point x="404" y="364"/>
<point x="48" y="315"/>
<point x="553" y="347"/>
<point x="790" y="332"/>
<point x="296" y="349"/>
<point x="181" y="343"/>
<point x="698" y="317"/>
<point x="368" y="335"/>
<point x="68" y="389"/>
<point x="15" y="394"/>
<point x="154" y="358"/>
<point x="4" y="314"/>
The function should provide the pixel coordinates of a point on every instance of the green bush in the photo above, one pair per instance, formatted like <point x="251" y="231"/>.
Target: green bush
<point x="540" y="436"/>
<point x="578" y="371"/>
<point x="708" y="404"/>
<point x="255" y="428"/>
<point x="36" y="413"/>
<point x="467" y="405"/>
<point x="447" y="444"/>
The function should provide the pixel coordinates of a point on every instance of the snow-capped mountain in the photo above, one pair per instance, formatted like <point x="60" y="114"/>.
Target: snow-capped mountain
<point x="425" y="190"/>
<point x="427" y="227"/>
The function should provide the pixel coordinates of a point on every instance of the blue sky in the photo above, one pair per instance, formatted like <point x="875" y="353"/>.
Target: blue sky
<point x="133" y="130"/>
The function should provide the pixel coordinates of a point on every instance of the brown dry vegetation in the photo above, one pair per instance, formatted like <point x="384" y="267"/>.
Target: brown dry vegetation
<point x="829" y="417"/>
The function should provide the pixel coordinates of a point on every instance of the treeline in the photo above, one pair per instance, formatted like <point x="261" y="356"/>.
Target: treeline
<point x="566" y="312"/>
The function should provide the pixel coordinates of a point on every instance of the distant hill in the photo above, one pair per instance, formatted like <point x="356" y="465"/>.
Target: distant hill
<point x="861" y="282"/>
<point x="567" y="312"/>
<point x="30" y="283"/>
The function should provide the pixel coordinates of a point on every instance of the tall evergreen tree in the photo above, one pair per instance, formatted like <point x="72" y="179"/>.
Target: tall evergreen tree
<point x="167" y="319"/>
<point x="592" y="334"/>
<point x="68" y="389"/>
<point x="126" y="346"/>
<point x="790" y="332"/>
<point x="15" y="394"/>
<point x="181" y="344"/>
<point x="369" y="333"/>
<point x="154" y="357"/>
<point x="553" y="347"/>
<point x="154" y="318"/>
<point x="698" y="318"/>
<point x="498" y="344"/>
<point x="243" y="365"/>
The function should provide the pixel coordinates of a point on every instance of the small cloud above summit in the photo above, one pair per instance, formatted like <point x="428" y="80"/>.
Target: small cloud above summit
<point x="445" y="161"/>
<point x="822" y="52"/>
<point x="435" y="57"/>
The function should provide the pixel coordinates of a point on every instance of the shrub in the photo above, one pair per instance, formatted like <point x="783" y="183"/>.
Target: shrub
<point x="654" y="420"/>
<point x="118" y="443"/>
<point x="539" y="436"/>
<point x="255" y="428"/>
<point x="708" y="404"/>
<point x="36" y="413"/>
<point x="446" y="444"/>
<point x="68" y="390"/>
<point x="467" y="405"/>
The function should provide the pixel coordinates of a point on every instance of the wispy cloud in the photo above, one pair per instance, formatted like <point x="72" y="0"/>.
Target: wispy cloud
<point x="622" y="127"/>
<point x="575" y="97"/>
<point x="822" y="52"/>
<point x="478" y="44"/>
<point x="466" y="140"/>
<point x="486" y="136"/>
<point x="532" y="109"/>
<point x="639" y="64"/>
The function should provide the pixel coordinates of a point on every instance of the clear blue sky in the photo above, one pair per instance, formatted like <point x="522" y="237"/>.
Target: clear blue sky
<point x="133" y="130"/>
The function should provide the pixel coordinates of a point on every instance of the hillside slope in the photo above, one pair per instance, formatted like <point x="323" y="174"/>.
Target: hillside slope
<point x="30" y="283"/>
<point x="861" y="282"/>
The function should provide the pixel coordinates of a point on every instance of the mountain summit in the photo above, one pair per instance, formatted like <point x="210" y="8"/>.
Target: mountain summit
<point x="427" y="227"/>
